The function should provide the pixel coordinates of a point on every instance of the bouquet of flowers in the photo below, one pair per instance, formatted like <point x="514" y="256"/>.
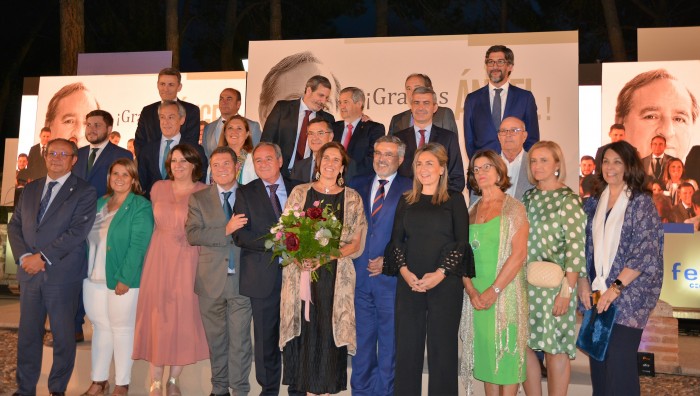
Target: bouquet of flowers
<point x="301" y="237"/>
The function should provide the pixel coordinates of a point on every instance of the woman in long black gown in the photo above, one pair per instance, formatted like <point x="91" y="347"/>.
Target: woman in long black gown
<point x="317" y="335"/>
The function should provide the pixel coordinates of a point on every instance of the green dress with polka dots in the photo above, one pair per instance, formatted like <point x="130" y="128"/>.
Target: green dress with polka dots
<point x="557" y="235"/>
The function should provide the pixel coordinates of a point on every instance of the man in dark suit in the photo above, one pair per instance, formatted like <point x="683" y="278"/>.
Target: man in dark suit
<point x="684" y="209"/>
<point x="444" y="117"/>
<point x="319" y="133"/>
<point x="655" y="164"/>
<point x="48" y="232"/>
<point x="37" y="162"/>
<point x="95" y="159"/>
<point x="229" y="104"/>
<point x="485" y="108"/>
<point x="288" y="121"/>
<point x="225" y="312"/>
<point x="423" y="105"/>
<point x="373" y="365"/>
<point x="355" y="135"/>
<point x="692" y="164"/>
<point x="616" y="133"/>
<point x="152" y="157"/>
<point x="148" y="129"/>
<point x="261" y="202"/>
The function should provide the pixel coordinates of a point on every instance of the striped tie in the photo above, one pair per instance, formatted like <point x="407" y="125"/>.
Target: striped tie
<point x="379" y="197"/>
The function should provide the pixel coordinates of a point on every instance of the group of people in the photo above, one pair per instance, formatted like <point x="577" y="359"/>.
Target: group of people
<point x="675" y="193"/>
<point x="169" y="253"/>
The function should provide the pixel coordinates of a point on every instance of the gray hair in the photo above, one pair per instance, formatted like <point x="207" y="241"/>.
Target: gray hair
<point x="358" y="95"/>
<point x="425" y="90"/>
<point x="278" y="151"/>
<point x="180" y="108"/>
<point x="392" y="139"/>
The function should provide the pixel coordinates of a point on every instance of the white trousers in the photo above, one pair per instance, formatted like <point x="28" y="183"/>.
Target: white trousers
<point x="113" y="319"/>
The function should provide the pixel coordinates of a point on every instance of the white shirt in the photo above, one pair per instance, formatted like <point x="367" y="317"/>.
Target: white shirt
<point x="504" y="97"/>
<point x="97" y="244"/>
<point x="300" y="120"/>
<point x="163" y="142"/>
<point x="231" y="201"/>
<point x="513" y="171"/>
<point x="387" y="186"/>
<point x="427" y="133"/>
<point x="345" y="130"/>
<point x="100" y="148"/>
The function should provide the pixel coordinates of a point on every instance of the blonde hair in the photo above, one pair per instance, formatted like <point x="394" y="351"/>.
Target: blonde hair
<point x="556" y="152"/>
<point x="441" y="195"/>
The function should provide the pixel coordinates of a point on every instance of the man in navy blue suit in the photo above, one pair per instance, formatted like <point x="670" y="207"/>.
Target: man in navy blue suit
<point x="48" y="233"/>
<point x="485" y="108"/>
<point x="373" y="365"/>
<point x="148" y="129"/>
<point x="151" y="158"/>
<point x="423" y="131"/>
<point x="355" y="135"/>
<point x="95" y="159"/>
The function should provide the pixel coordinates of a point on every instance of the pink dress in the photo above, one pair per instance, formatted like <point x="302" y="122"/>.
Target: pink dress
<point x="169" y="329"/>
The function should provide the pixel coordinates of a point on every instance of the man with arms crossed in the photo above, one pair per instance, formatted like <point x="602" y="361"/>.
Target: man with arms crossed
<point x="261" y="202"/>
<point x="225" y="312"/>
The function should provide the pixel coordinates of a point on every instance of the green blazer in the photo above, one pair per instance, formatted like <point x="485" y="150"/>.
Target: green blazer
<point x="127" y="240"/>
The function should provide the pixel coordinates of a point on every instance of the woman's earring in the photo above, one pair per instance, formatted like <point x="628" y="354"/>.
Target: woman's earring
<point x="318" y="175"/>
<point x="556" y="173"/>
<point x="340" y="181"/>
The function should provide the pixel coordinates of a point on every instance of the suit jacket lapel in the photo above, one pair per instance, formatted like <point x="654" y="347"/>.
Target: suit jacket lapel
<point x="63" y="194"/>
<point x="264" y="198"/>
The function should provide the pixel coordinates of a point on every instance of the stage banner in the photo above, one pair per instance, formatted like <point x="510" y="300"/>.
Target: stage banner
<point x="651" y="98"/>
<point x="545" y="63"/>
<point x="123" y="96"/>
<point x="681" y="288"/>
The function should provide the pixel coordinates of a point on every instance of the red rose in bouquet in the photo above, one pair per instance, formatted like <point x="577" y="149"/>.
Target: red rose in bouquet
<point x="292" y="241"/>
<point x="314" y="213"/>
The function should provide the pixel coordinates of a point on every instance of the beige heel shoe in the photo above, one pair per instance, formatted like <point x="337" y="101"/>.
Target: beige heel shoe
<point x="121" y="390"/>
<point x="172" y="388"/>
<point x="156" y="389"/>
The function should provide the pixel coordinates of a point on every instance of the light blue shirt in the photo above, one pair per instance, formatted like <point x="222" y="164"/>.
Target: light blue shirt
<point x="163" y="142"/>
<point x="427" y="133"/>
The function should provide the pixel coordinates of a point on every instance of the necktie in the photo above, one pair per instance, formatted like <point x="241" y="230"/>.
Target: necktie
<point x="301" y="146"/>
<point x="657" y="168"/>
<point x="379" y="197"/>
<point x="91" y="159"/>
<point x="348" y="136"/>
<point x="163" y="172"/>
<point x="228" y="211"/>
<point x="43" y="151"/>
<point x="421" y="143"/>
<point x="275" y="200"/>
<point x="496" y="109"/>
<point x="44" y="204"/>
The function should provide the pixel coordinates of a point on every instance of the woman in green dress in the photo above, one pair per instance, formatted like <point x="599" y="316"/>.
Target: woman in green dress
<point x="494" y="313"/>
<point x="558" y="236"/>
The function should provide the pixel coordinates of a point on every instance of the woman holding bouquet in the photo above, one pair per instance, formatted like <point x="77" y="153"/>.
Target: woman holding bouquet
<point x="317" y="319"/>
<point x="429" y="249"/>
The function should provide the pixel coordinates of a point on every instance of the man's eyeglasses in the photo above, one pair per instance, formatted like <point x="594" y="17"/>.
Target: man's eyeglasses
<point x="500" y="62"/>
<point x="485" y="168"/>
<point x="58" y="154"/>
<point x="509" y="132"/>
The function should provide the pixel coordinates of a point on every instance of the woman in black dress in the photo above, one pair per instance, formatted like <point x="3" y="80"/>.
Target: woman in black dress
<point x="429" y="245"/>
<point x="316" y="346"/>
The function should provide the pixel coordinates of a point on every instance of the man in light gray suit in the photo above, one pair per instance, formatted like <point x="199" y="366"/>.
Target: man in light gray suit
<point x="443" y="117"/>
<point x="229" y="104"/>
<point x="226" y="314"/>
<point x="512" y="136"/>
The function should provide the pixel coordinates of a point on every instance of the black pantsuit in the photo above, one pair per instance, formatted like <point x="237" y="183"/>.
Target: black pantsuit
<point x="617" y="374"/>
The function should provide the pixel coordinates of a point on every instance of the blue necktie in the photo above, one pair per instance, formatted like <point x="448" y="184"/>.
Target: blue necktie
<point x="228" y="211"/>
<point x="163" y="171"/>
<point x="379" y="197"/>
<point x="44" y="204"/>
<point x="496" y="110"/>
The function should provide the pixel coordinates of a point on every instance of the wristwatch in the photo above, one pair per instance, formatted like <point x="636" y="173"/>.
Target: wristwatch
<point x="444" y="272"/>
<point x="496" y="289"/>
<point x="618" y="285"/>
